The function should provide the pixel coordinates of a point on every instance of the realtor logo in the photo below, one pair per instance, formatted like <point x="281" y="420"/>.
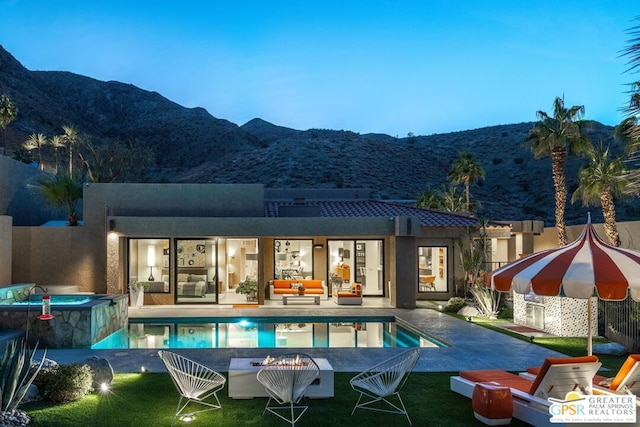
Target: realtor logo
<point x="579" y="408"/>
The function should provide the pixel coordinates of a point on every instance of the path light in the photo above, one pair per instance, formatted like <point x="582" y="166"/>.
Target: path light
<point x="531" y="338"/>
<point x="104" y="387"/>
<point x="187" y="418"/>
<point x="143" y="369"/>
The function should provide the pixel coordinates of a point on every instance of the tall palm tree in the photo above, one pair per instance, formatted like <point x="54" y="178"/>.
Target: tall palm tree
<point x="57" y="142"/>
<point x="558" y="136"/>
<point x="8" y="113"/>
<point x="466" y="170"/>
<point x="601" y="181"/>
<point x="629" y="129"/>
<point x="71" y="139"/>
<point x="35" y="142"/>
<point x="64" y="191"/>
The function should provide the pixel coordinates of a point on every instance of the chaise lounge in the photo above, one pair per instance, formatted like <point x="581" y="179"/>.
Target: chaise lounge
<point x="556" y="377"/>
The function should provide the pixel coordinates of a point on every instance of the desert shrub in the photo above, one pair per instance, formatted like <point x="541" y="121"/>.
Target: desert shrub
<point x="454" y="304"/>
<point x="64" y="383"/>
<point x="17" y="371"/>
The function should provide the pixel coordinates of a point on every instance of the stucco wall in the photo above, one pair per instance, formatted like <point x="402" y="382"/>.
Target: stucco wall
<point x="629" y="235"/>
<point x="58" y="256"/>
<point x="6" y="239"/>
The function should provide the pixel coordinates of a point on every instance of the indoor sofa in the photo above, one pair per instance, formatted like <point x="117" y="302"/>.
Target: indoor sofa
<point x="280" y="287"/>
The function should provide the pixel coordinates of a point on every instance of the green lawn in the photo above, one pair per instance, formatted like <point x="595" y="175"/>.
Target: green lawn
<point x="150" y="400"/>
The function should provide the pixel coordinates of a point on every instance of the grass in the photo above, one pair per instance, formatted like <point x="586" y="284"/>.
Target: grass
<point x="151" y="399"/>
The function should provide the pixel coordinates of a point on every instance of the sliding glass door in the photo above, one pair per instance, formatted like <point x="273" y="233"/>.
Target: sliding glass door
<point x="356" y="261"/>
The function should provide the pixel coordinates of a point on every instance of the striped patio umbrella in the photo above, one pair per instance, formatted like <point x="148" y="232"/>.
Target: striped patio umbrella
<point x="575" y="271"/>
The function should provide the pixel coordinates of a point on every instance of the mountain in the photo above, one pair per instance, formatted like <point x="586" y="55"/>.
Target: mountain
<point x="191" y="145"/>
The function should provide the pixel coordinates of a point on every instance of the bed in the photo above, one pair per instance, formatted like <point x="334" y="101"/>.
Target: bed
<point x="192" y="284"/>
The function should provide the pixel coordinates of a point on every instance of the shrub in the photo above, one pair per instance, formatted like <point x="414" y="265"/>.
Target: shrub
<point x="64" y="383"/>
<point x="454" y="304"/>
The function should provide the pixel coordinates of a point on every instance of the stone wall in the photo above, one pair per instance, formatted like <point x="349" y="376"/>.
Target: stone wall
<point x="73" y="326"/>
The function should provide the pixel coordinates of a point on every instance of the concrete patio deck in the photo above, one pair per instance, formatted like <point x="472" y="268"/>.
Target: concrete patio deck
<point x="470" y="346"/>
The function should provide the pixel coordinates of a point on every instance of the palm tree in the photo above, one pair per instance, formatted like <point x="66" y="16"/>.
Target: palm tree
<point x="601" y="181"/>
<point x="629" y="129"/>
<point x="57" y="142"/>
<point x="466" y="170"/>
<point x="558" y="136"/>
<point x="8" y="113"/>
<point x="71" y="139"/>
<point x="35" y="142"/>
<point x="63" y="190"/>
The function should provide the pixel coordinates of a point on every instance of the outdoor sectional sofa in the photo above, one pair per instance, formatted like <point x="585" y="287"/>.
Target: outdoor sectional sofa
<point x="351" y="297"/>
<point x="279" y="287"/>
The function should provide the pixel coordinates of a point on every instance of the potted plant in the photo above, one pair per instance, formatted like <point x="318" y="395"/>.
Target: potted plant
<point x="249" y="287"/>
<point x="136" y="289"/>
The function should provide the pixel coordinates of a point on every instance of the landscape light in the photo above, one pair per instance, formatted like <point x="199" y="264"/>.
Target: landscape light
<point x="104" y="387"/>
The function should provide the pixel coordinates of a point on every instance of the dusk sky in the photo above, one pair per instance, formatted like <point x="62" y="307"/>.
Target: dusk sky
<point x="387" y="66"/>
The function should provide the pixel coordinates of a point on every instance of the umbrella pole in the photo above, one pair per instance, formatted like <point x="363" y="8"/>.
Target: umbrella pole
<point x="589" y="343"/>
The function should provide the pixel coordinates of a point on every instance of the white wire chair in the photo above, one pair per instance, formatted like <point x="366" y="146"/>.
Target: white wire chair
<point x="286" y="379"/>
<point x="195" y="382"/>
<point x="383" y="381"/>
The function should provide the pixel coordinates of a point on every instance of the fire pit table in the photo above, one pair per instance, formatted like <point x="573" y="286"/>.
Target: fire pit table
<point x="243" y="382"/>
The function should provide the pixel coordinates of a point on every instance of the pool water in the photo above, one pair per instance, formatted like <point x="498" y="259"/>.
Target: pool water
<point x="56" y="300"/>
<point x="277" y="332"/>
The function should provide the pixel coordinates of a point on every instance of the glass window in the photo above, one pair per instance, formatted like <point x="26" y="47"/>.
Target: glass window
<point x="432" y="270"/>
<point x="293" y="259"/>
<point x="196" y="276"/>
<point x="149" y="263"/>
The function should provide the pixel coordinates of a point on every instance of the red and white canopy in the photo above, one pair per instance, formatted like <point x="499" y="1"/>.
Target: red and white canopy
<point x="574" y="270"/>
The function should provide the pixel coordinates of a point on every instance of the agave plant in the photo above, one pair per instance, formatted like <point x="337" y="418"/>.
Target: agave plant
<point x="17" y="372"/>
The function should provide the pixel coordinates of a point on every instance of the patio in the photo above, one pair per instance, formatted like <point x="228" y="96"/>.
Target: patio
<point x="470" y="346"/>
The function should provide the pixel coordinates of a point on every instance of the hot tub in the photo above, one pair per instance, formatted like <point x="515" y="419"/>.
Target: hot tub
<point x="80" y="320"/>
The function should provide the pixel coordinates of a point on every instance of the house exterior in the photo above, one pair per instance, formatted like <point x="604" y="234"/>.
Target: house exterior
<point x="194" y="243"/>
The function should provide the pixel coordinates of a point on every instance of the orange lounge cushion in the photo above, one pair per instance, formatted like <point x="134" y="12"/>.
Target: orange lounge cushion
<point x="597" y="379"/>
<point x="289" y="291"/>
<point x="498" y="377"/>
<point x="557" y="361"/>
<point x="626" y="367"/>
<point x="286" y="284"/>
<point x="344" y="294"/>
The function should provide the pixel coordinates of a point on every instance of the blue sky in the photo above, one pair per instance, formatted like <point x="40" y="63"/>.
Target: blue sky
<point x="388" y="66"/>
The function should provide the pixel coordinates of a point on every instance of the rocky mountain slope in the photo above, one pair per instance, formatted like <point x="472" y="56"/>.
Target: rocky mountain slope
<point x="191" y="145"/>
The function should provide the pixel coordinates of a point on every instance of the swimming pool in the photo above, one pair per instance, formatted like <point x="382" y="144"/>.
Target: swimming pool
<point x="268" y="332"/>
<point x="36" y="300"/>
